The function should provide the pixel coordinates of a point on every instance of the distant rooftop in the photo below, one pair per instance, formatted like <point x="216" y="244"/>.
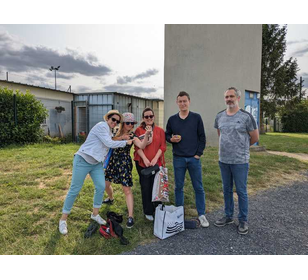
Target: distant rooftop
<point x="11" y="82"/>
<point x="86" y="93"/>
<point x="119" y="93"/>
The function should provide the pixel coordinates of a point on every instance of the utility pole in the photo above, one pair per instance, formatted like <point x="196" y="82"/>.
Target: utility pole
<point x="55" y="69"/>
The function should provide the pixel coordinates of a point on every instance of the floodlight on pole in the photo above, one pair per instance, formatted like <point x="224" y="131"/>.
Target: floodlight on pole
<point x="55" y="69"/>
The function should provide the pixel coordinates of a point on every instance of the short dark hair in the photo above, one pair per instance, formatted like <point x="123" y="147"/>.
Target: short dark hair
<point x="146" y="110"/>
<point x="183" y="93"/>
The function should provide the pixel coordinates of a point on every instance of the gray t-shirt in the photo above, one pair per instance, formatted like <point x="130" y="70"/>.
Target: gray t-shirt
<point x="234" y="140"/>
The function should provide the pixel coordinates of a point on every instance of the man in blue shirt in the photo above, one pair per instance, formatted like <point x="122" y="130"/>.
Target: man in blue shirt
<point x="237" y="130"/>
<point x="185" y="131"/>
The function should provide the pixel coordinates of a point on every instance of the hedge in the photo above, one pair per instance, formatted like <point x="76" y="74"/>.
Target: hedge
<point x="30" y="114"/>
<point x="295" y="119"/>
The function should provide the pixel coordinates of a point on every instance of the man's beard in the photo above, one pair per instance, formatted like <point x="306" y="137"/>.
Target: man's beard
<point x="232" y="105"/>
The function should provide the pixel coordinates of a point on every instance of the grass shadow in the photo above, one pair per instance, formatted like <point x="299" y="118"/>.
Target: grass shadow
<point x="54" y="239"/>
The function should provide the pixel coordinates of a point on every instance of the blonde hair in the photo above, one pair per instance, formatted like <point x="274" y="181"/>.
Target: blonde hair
<point x="120" y="131"/>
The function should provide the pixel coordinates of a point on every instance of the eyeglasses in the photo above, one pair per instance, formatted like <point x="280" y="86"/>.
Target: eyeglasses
<point x="115" y="120"/>
<point x="129" y="123"/>
<point x="150" y="116"/>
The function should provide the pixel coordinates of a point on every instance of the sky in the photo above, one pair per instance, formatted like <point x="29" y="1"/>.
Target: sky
<point x="123" y="58"/>
<point x="297" y="47"/>
<point x="127" y="58"/>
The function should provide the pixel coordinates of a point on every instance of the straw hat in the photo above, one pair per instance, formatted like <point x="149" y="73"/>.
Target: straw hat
<point x="113" y="112"/>
<point x="129" y="117"/>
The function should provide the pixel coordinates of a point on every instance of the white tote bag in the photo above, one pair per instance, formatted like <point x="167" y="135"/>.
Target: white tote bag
<point x="160" y="190"/>
<point x="169" y="220"/>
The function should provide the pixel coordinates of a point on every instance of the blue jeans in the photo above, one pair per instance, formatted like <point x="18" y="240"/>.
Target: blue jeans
<point x="80" y="170"/>
<point x="180" y="165"/>
<point x="239" y="174"/>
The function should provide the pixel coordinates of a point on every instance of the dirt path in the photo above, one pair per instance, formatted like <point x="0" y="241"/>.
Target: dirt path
<point x="300" y="156"/>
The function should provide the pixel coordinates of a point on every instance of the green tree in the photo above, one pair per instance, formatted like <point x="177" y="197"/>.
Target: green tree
<point x="279" y="85"/>
<point x="30" y="114"/>
<point x="295" y="118"/>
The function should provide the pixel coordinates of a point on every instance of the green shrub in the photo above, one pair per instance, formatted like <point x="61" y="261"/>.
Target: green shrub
<point x="30" y="114"/>
<point x="53" y="140"/>
<point x="296" y="118"/>
<point x="58" y="140"/>
<point x="81" y="138"/>
<point x="67" y="139"/>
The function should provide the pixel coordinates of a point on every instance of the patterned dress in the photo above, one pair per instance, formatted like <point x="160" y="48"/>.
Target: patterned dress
<point x="120" y="166"/>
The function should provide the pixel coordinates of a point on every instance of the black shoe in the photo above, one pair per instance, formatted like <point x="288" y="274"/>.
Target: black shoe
<point x="223" y="222"/>
<point x="108" y="201"/>
<point x="92" y="228"/>
<point x="242" y="227"/>
<point x="130" y="222"/>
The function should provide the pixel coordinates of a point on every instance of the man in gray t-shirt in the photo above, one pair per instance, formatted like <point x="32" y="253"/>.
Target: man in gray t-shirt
<point x="237" y="130"/>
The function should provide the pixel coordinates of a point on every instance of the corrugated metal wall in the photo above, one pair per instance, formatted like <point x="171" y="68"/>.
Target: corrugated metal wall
<point x="98" y="104"/>
<point x="123" y="103"/>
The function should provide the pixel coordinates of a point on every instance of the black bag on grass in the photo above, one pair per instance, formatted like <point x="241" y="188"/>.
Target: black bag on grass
<point x="117" y="217"/>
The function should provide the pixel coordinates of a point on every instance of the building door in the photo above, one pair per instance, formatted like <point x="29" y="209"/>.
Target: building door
<point x="252" y="105"/>
<point x="81" y="120"/>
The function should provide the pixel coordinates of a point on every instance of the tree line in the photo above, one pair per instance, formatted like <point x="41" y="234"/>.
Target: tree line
<point x="281" y="92"/>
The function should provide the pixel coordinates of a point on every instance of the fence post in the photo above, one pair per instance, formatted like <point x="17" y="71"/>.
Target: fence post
<point x="73" y="122"/>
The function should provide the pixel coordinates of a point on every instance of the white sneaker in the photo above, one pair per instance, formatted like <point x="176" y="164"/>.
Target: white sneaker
<point x="149" y="217"/>
<point x="203" y="221"/>
<point x="63" y="227"/>
<point x="98" y="219"/>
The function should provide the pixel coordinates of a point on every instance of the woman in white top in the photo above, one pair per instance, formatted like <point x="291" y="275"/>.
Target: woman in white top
<point x="88" y="160"/>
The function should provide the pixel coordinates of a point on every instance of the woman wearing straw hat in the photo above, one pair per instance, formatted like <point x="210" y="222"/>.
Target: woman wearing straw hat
<point x="88" y="160"/>
<point x="120" y="166"/>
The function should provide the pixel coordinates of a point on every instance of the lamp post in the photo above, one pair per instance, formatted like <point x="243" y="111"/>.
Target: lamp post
<point x="55" y="69"/>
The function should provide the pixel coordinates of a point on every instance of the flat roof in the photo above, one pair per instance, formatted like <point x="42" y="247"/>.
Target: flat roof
<point x="11" y="82"/>
<point x="119" y="93"/>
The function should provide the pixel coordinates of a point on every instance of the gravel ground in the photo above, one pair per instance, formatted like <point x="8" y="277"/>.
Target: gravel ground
<point x="278" y="225"/>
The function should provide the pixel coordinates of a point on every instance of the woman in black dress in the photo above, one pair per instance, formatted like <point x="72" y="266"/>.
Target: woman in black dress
<point x="120" y="166"/>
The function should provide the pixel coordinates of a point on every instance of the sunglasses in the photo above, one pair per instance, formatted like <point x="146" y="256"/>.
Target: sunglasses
<point x="115" y="120"/>
<point x="150" y="116"/>
<point x="129" y="123"/>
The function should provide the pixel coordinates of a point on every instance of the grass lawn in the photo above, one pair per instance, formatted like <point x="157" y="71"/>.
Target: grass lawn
<point x="35" y="179"/>
<point x="285" y="142"/>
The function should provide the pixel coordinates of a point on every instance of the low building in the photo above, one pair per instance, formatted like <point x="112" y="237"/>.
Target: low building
<point x="71" y="113"/>
<point x="57" y="102"/>
<point x="90" y="108"/>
